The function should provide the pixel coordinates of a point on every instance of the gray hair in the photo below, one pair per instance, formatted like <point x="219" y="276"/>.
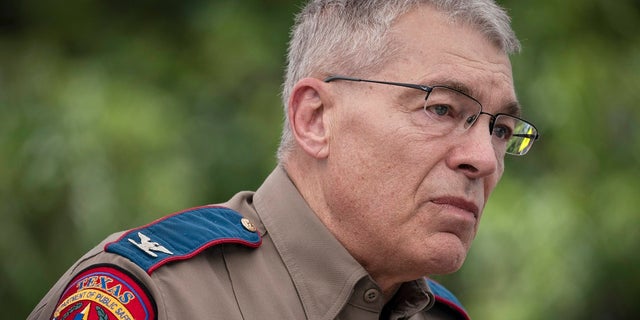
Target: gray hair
<point x="345" y="36"/>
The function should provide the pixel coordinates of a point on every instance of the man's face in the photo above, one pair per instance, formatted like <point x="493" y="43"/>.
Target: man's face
<point x="406" y="202"/>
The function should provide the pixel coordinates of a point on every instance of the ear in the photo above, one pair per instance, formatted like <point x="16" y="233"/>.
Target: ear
<point x="307" y="112"/>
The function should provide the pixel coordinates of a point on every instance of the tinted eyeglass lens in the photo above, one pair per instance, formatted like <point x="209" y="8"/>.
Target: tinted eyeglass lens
<point x="522" y="137"/>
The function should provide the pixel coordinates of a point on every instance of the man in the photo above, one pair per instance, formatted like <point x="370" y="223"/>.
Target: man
<point x="398" y="118"/>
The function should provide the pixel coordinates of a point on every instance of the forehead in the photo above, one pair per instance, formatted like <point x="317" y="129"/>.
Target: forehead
<point x="436" y="50"/>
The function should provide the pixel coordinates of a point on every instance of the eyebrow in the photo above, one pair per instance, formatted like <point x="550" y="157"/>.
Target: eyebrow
<point x="457" y="85"/>
<point x="513" y="109"/>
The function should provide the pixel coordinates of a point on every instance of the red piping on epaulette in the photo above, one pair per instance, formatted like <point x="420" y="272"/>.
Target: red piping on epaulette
<point x="195" y="252"/>
<point x="203" y="247"/>
<point x="453" y="306"/>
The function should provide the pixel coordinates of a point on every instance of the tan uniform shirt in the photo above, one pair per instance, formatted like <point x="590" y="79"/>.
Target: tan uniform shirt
<point x="300" y="271"/>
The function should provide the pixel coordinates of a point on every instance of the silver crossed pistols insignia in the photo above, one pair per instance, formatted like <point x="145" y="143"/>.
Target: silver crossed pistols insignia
<point x="148" y="246"/>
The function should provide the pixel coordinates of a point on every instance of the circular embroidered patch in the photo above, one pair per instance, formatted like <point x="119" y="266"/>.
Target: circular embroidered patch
<point x="105" y="292"/>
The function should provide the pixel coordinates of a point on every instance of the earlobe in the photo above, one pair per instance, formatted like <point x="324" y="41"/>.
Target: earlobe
<point x="307" y="117"/>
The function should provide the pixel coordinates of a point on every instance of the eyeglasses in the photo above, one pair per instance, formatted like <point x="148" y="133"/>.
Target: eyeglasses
<point x="449" y="110"/>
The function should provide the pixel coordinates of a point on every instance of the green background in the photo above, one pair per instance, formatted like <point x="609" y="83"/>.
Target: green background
<point x="115" y="113"/>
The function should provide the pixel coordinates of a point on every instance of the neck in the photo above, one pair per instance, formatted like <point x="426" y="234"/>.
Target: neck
<point x="311" y="181"/>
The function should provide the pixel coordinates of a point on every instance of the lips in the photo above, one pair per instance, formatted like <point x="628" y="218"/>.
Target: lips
<point x="460" y="203"/>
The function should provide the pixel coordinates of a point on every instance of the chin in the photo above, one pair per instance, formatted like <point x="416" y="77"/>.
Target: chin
<point x="447" y="257"/>
<point x="454" y="266"/>
<point x="449" y="268"/>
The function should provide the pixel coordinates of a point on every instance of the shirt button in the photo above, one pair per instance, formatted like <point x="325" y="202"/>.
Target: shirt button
<point x="371" y="295"/>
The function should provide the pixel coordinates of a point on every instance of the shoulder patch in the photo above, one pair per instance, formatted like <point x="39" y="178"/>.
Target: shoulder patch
<point x="445" y="297"/>
<point x="183" y="235"/>
<point x="105" y="292"/>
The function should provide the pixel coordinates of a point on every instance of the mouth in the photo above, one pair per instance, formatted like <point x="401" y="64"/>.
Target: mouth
<point x="459" y="203"/>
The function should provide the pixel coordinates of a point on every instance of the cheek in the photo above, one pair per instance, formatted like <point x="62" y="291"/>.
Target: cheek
<point x="365" y="140"/>
<point x="369" y="175"/>
<point x="381" y="157"/>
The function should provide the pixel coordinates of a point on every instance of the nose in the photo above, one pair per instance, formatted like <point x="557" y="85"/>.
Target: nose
<point x="473" y="152"/>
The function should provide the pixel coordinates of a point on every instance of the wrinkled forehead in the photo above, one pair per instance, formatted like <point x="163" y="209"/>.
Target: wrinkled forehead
<point x="424" y="28"/>
<point x="435" y="50"/>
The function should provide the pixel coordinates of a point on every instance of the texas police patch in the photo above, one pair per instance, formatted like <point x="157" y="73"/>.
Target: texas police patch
<point x="105" y="292"/>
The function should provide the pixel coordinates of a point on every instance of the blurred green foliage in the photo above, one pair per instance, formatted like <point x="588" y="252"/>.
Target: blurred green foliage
<point x="114" y="113"/>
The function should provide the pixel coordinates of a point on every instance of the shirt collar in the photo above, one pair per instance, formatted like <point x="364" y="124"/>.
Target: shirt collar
<point x="411" y="298"/>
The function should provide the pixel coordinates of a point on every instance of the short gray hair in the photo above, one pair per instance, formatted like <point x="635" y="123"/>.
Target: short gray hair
<point x="345" y="36"/>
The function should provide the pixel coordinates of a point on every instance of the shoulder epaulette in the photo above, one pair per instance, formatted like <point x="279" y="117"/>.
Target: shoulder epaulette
<point x="183" y="235"/>
<point x="445" y="297"/>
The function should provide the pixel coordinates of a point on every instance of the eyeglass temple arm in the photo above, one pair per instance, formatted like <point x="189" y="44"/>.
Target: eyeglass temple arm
<point x="524" y="135"/>
<point x="399" y="84"/>
<point x="332" y="78"/>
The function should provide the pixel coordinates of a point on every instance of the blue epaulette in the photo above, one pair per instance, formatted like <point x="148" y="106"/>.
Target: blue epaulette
<point x="445" y="297"/>
<point x="183" y="235"/>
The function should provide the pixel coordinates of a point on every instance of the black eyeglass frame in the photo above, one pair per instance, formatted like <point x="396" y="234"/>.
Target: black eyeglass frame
<point x="470" y="121"/>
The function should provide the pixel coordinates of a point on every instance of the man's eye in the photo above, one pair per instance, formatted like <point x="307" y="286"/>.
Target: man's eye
<point x="502" y="132"/>
<point x="439" y="110"/>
